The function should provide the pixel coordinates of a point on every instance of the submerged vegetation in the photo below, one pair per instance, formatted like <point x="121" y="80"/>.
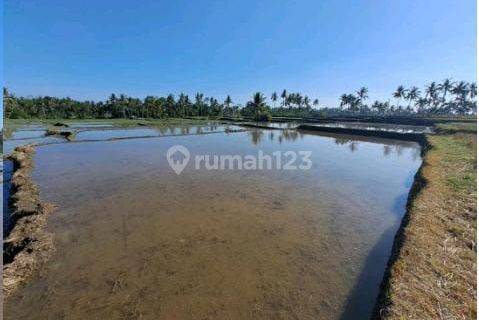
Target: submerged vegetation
<point x="445" y="98"/>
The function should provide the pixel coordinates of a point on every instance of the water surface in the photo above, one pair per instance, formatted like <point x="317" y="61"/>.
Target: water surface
<point x="10" y="145"/>
<point x="134" y="240"/>
<point x="27" y="134"/>
<point x="401" y="128"/>
<point x="36" y="134"/>
<point x="280" y="125"/>
<point x="138" y="132"/>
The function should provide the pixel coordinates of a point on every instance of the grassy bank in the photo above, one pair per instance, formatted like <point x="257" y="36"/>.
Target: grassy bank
<point x="457" y="127"/>
<point x="433" y="267"/>
<point x="28" y="244"/>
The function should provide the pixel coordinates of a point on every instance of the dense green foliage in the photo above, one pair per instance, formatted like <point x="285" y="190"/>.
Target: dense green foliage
<point x="445" y="98"/>
<point x="120" y="106"/>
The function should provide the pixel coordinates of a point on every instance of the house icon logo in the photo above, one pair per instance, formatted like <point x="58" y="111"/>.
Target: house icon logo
<point x="178" y="157"/>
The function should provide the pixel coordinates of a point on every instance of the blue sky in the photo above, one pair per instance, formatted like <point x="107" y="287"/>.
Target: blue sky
<point x="88" y="49"/>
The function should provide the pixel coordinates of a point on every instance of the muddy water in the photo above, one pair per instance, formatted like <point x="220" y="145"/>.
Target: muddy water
<point x="136" y="241"/>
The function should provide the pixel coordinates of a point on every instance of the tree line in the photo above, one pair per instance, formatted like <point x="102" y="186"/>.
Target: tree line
<point x="445" y="98"/>
<point x="117" y="106"/>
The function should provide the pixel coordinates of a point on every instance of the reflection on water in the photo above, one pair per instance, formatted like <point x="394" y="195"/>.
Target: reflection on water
<point x="114" y="134"/>
<point x="280" y="125"/>
<point x="84" y="125"/>
<point x="256" y="136"/>
<point x="27" y="134"/>
<point x="378" y="126"/>
<point x="135" y="240"/>
<point x="136" y="132"/>
<point x="287" y="135"/>
<point x="35" y="134"/>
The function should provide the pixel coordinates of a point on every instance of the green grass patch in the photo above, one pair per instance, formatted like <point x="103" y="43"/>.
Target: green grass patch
<point x="458" y="159"/>
<point x="457" y="127"/>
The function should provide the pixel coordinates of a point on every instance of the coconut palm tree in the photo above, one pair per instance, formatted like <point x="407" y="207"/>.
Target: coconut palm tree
<point x="228" y="102"/>
<point x="297" y="99"/>
<point x="472" y="105"/>
<point x="399" y="94"/>
<point x="199" y="103"/>
<point x="294" y="99"/>
<point x="351" y="101"/>
<point x="460" y="90"/>
<point x="306" y="101"/>
<point x="362" y="93"/>
<point x="354" y="103"/>
<point x="421" y="104"/>
<point x="412" y="95"/>
<point x="170" y="106"/>
<point x="274" y="98"/>
<point x="182" y="104"/>
<point x="445" y="87"/>
<point x="388" y="107"/>
<point x="472" y="91"/>
<point x="284" y="96"/>
<point x="376" y="106"/>
<point x="343" y="100"/>
<point x="432" y="93"/>
<point x="316" y="102"/>
<point x="258" y="104"/>
<point x="362" y="96"/>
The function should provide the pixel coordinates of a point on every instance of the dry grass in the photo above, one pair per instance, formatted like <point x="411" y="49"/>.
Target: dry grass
<point x="28" y="244"/>
<point x="52" y="132"/>
<point x="433" y="275"/>
<point x="67" y="134"/>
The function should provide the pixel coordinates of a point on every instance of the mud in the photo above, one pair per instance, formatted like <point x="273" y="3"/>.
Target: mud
<point x="28" y="245"/>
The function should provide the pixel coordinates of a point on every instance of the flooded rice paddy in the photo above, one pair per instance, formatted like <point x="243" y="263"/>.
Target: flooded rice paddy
<point x="150" y="132"/>
<point x="134" y="240"/>
<point x="401" y="128"/>
<point x="37" y="134"/>
<point x="277" y="125"/>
